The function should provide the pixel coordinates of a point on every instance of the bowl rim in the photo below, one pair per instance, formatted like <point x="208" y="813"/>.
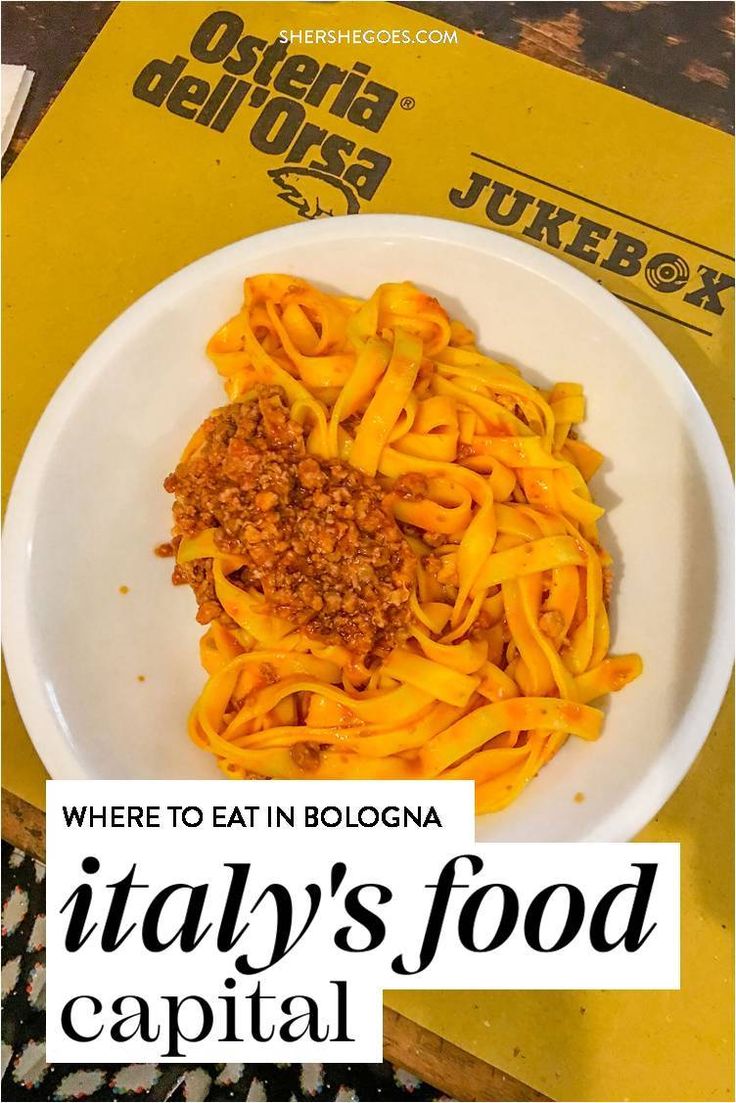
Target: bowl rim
<point x="46" y="726"/>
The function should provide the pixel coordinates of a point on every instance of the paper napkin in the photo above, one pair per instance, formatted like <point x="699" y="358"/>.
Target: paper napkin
<point x="16" y="84"/>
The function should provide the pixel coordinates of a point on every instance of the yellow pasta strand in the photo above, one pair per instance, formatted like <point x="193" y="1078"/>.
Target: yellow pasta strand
<point x="507" y="634"/>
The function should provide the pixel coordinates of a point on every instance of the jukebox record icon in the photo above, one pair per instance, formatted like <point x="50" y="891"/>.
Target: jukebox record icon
<point x="667" y="272"/>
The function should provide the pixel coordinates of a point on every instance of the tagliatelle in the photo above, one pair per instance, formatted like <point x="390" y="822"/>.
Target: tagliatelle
<point x="402" y="576"/>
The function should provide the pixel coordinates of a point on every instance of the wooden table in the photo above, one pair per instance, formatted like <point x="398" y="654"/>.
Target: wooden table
<point x="676" y="55"/>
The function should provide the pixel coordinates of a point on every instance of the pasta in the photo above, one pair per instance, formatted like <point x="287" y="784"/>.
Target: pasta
<point x="393" y="543"/>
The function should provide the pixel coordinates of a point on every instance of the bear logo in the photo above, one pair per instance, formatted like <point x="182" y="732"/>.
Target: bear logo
<point x="315" y="194"/>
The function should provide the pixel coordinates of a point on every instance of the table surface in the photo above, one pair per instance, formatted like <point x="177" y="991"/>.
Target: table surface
<point x="676" y="55"/>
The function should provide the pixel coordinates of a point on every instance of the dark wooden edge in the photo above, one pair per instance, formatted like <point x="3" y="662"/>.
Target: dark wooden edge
<point x="23" y="825"/>
<point x="453" y="1070"/>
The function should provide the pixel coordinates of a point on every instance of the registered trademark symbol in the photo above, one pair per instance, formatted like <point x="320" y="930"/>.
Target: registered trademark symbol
<point x="408" y="103"/>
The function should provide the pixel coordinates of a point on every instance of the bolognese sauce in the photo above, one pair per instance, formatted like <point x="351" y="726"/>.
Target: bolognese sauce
<point x="318" y="539"/>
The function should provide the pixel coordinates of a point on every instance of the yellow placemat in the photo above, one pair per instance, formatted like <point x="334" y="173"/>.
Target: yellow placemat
<point x="177" y="135"/>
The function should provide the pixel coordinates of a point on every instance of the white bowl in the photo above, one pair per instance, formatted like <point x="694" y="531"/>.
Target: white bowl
<point x="88" y="508"/>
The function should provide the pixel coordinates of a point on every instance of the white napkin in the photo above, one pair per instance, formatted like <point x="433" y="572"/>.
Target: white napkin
<point x="16" y="85"/>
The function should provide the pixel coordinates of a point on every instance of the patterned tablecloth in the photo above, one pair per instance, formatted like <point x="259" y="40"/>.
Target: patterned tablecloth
<point x="26" y="1076"/>
<point x="675" y="55"/>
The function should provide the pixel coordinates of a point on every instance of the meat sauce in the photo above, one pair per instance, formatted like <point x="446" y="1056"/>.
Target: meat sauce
<point x="318" y="538"/>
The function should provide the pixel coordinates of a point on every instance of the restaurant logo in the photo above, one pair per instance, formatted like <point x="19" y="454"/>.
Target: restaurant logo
<point x="622" y="245"/>
<point x="314" y="193"/>
<point x="324" y="171"/>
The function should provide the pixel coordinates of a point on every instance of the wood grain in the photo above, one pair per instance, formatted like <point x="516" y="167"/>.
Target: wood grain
<point x="676" y="55"/>
<point x="447" y="1067"/>
<point x="23" y="825"/>
<point x="50" y="39"/>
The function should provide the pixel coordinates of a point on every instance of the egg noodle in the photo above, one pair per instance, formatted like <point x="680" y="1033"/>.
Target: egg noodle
<point x="507" y="644"/>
